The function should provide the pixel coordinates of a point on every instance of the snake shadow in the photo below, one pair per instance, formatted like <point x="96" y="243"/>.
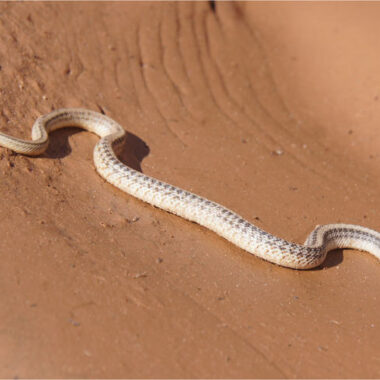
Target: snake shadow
<point x="333" y="258"/>
<point x="130" y="153"/>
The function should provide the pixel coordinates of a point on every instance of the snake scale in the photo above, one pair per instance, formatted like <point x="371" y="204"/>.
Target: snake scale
<point x="190" y="206"/>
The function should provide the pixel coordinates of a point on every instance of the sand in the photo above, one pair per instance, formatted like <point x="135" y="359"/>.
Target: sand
<point x="269" y="109"/>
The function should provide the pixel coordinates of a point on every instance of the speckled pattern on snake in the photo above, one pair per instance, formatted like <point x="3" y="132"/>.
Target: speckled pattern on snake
<point x="191" y="206"/>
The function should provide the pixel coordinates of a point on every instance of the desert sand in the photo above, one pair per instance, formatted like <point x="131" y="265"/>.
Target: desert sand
<point x="271" y="109"/>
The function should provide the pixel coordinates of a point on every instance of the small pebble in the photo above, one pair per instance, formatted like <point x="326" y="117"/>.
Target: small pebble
<point x="278" y="152"/>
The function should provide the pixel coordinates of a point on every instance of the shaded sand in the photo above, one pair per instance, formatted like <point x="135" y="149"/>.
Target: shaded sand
<point x="269" y="109"/>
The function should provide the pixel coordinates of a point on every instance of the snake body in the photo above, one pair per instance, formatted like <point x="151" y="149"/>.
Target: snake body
<point x="190" y="206"/>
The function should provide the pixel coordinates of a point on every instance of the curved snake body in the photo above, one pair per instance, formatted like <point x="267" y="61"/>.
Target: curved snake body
<point x="190" y="206"/>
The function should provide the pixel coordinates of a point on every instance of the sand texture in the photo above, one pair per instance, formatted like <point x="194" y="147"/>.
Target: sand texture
<point x="272" y="110"/>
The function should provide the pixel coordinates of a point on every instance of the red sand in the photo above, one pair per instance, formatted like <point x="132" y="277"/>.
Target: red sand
<point x="97" y="284"/>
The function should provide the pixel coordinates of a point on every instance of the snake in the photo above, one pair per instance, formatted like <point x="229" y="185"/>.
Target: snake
<point x="188" y="205"/>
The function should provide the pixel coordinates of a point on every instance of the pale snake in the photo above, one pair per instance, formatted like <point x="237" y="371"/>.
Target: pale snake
<point x="191" y="206"/>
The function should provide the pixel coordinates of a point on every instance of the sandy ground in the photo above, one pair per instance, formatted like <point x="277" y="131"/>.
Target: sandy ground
<point x="270" y="109"/>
